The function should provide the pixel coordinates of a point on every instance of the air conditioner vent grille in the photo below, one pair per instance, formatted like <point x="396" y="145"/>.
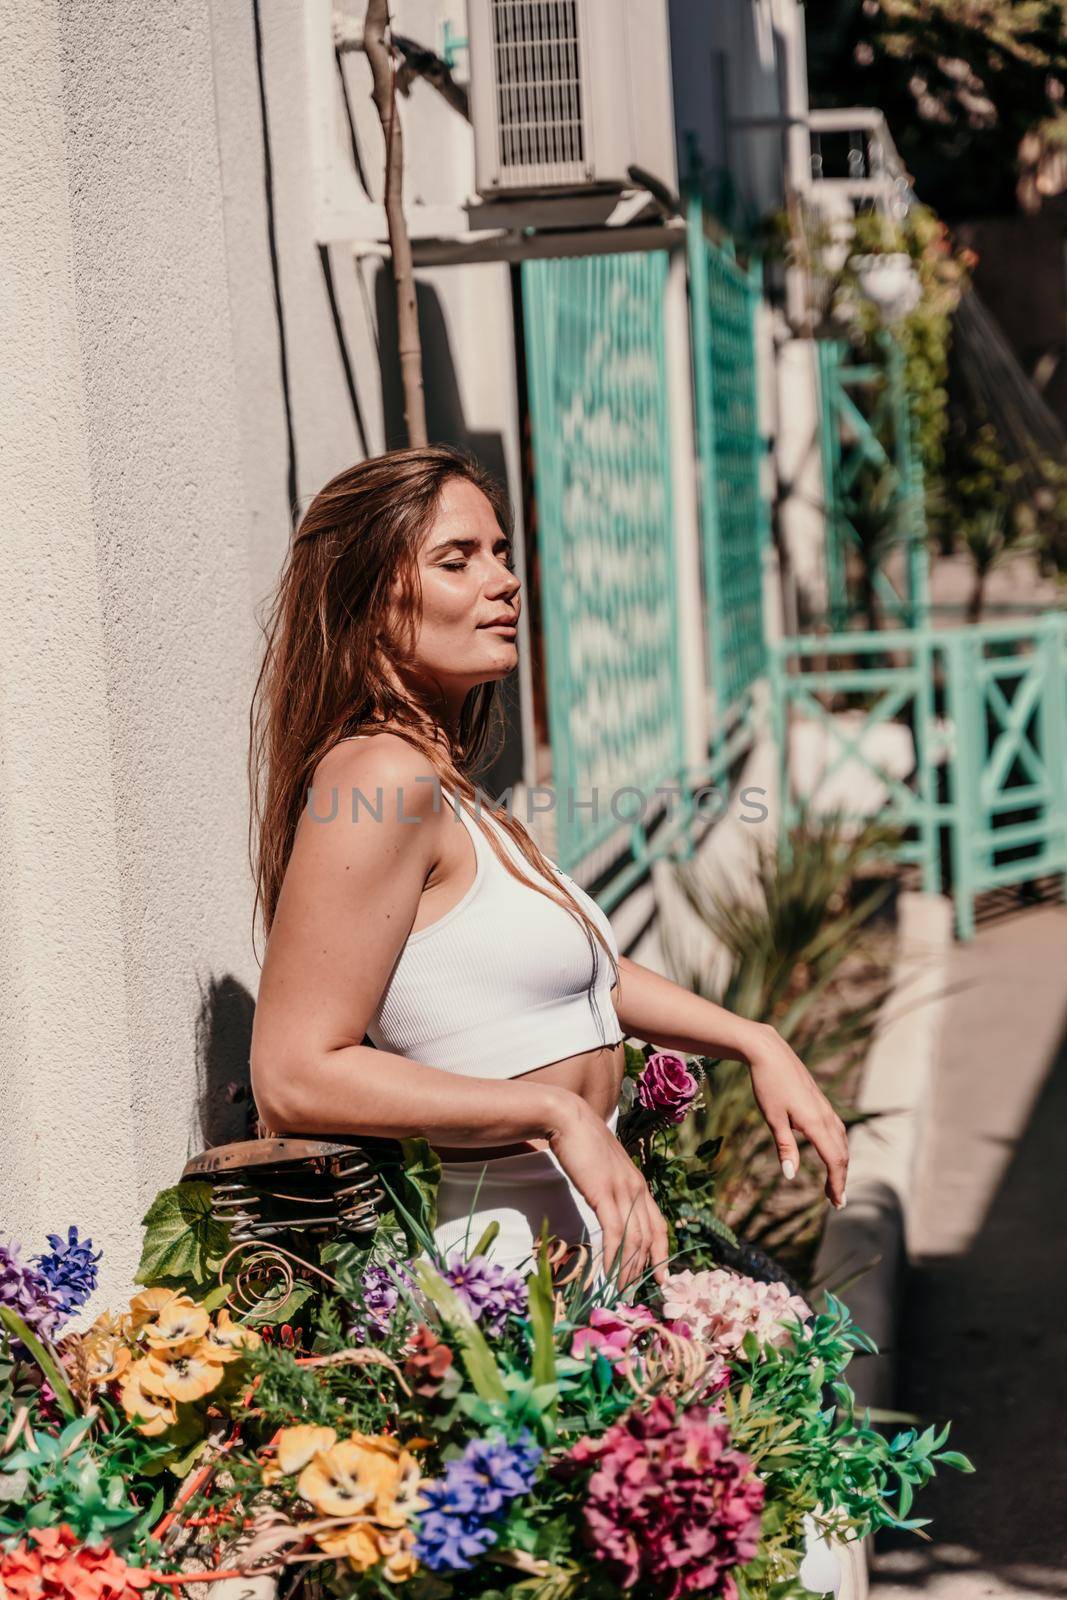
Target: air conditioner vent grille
<point x="537" y="58"/>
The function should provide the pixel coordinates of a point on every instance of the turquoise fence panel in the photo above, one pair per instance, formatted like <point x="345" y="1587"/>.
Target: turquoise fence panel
<point x="856" y="734"/>
<point x="733" y="511"/>
<point x="595" y="350"/>
<point x="873" y="488"/>
<point x="1007" y="686"/>
<point x="985" y="774"/>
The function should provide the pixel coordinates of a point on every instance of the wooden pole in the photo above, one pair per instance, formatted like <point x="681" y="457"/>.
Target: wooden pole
<point x="409" y="344"/>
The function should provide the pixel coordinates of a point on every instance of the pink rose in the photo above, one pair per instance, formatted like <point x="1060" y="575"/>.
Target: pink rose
<point x="667" y="1086"/>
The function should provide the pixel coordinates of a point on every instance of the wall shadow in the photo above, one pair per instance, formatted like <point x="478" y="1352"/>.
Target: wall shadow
<point x="225" y="1108"/>
<point x="983" y="1342"/>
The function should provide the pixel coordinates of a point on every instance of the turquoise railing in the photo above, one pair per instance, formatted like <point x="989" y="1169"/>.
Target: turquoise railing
<point x="596" y="357"/>
<point x="734" y="515"/>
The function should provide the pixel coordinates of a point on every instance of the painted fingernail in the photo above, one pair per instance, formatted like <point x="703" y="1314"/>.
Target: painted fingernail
<point x="789" y="1171"/>
<point x="843" y="1202"/>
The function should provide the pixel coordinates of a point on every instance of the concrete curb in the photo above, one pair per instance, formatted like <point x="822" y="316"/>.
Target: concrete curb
<point x="868" y="1241"/>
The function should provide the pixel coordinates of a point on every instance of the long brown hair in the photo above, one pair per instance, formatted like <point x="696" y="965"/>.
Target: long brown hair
<point x="322" y="678"/>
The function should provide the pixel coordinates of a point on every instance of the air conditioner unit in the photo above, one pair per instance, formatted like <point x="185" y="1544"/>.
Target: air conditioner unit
<point x="567" y="94"/>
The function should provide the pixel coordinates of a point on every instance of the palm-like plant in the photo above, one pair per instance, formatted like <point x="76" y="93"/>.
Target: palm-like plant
<point x="795" y="947"/>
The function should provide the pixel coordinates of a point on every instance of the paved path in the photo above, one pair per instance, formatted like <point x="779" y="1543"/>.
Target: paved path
<point x="985" y="1324"/>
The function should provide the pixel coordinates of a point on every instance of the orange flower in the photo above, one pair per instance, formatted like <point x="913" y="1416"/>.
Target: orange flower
<point x="227" y="1339"/>
<point x="56" y="1567"/>
<point x="372" y="1475"/>
<point x="147" y="1306"/>
<point x="179" y="1327"/>
<point x="183" y="1377"/>
<point x="295" y="1448"/>
<point x="365" y="1546"/>
<point x="100" y="1353"/>
<point x="157" y="1413"/>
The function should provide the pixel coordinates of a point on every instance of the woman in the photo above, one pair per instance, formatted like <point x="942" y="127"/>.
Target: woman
<point x="398" y="908"/>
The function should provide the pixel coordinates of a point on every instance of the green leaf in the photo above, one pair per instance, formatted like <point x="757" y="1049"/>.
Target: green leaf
<point x="542" y="1303"/>
<point x="421" y="1177"/>
<point x="482" y="1247"/>
<point x="298" y="1295"/>
<point x="953" y="1458"/>
<point x="477" y="1356"/>
<point x="44" y="1357"/>
<point x="183" y="1241"/>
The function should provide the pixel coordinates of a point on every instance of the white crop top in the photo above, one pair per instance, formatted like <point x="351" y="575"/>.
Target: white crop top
<point x="505" y="981"/>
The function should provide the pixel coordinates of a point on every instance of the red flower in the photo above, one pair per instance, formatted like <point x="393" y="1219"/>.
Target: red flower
<point x="672" y="1508"/>
<point x="428" y="1361"/>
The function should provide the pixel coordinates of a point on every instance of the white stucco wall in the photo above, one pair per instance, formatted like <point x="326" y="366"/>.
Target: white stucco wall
<point x="145" y="474"/>
<point x="128" y="648"/>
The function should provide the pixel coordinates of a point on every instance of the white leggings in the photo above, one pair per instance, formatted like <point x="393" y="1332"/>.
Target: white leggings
<point x="519" y="1192"/>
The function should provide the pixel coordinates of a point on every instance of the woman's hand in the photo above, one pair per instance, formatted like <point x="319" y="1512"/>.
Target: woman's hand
<point x="607" y="1179"/>
<point x="792" y="1102"/>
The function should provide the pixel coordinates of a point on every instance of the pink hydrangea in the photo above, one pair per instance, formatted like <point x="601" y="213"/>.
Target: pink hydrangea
<point x="666" y="1085"/>
<point x="670" y="1503"/>
<point x="718" y="1308"/>
<point x="612" y="1332"/>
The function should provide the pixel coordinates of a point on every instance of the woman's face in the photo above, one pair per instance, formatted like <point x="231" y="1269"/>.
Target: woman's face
<point x="468" y="591"/>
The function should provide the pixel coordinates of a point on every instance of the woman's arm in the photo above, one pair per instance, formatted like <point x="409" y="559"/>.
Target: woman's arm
<point x="348" y="902"/>
<point x="653" y="1008"/>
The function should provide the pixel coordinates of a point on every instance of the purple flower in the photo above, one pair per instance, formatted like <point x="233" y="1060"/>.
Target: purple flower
<point x="667" y="1086"/>
<point x="70" y="1270"/>
<point x="29" y="1294"/>
<point x="490" y="1292"/>
<point x="457" y="1525"/>
<point x="380" y="1297"/>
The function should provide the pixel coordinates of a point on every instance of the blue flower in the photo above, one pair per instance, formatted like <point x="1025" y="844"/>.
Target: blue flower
<point x="509" y="1468"/>
<point x="70" y="1270"/>
<point x="450" y="1543"/>
<point x="476" y="1490"/>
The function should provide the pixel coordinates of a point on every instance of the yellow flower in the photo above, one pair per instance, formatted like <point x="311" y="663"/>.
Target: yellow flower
<point x="295" y="1448"/>
<point x="157" y="1414"/>
<point x="361" y="1474"/>
<point x="365" y="1546"/>
<point x="147" y="1306"/>
<point x="182" y="1377"/>
<point x="227" y="1338"/>
<point x="179" y="1327"/>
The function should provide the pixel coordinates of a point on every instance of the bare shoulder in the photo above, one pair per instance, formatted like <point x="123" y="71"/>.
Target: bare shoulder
<point x="381" y="781"/>
<point x="380" y="759"/>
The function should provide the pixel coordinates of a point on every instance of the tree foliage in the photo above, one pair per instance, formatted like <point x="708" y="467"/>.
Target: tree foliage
<point x="975" y="91"/>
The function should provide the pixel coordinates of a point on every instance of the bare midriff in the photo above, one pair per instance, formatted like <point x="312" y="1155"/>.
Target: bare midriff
<point x="595" y="1075"/>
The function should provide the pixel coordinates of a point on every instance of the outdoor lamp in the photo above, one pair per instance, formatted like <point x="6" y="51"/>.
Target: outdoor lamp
<point x="890" y="282"/>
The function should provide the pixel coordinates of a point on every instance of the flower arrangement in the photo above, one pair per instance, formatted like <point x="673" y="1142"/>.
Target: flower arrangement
<point x="440" y="1427"/>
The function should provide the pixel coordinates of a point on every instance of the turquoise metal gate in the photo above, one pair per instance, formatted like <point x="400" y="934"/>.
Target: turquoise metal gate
<point x="595" y="350"/>
<point x="733" y="510"/>
<point x="873" y="486"/>
<point x="1008" y="699"/>
<point x="989" y="775"/>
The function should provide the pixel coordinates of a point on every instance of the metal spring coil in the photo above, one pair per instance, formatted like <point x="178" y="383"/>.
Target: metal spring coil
<point x="358" y="1193"/>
